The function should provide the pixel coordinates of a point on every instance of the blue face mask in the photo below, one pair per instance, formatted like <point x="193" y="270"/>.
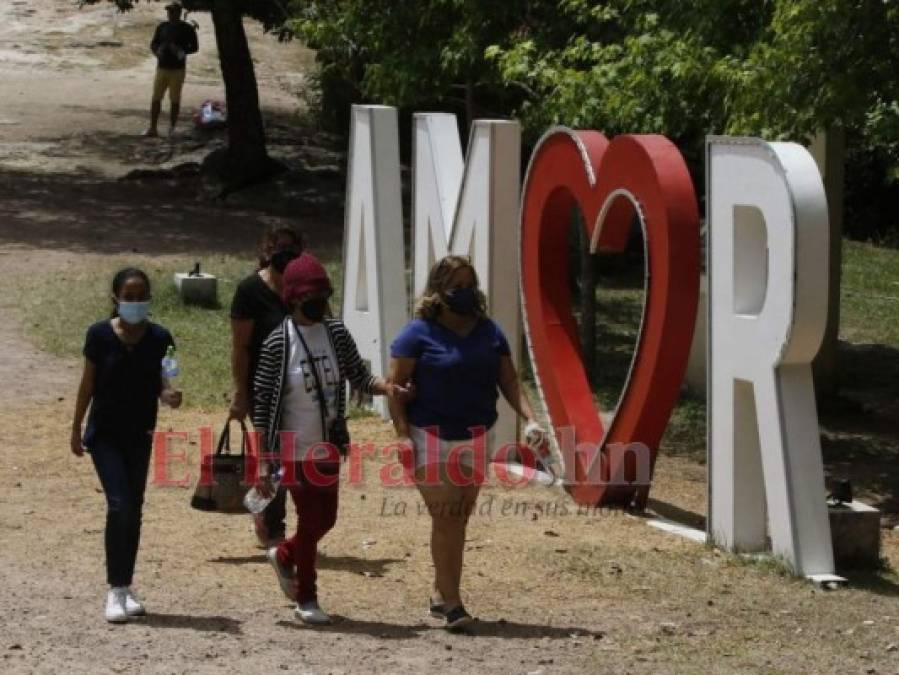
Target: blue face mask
<point x="462" y="300"/>
<point x="134" y="312"/>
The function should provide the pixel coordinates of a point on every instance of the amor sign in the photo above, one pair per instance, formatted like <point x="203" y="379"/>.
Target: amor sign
<point x="767" y="219"/>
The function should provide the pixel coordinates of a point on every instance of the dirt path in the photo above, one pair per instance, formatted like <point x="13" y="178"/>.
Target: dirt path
<point x="76" y="85"/>
<point x="75" y="88"/>
<point x="29" y="375"/>
<point x="556" y="589"/>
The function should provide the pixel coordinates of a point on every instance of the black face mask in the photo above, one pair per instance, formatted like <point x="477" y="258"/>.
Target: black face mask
<point x="315" y="309"/>
<point x="462" y="301"/>
<point x="281" y="259"/>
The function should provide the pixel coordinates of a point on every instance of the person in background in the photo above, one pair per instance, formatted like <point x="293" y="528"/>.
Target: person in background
<point x="122" y="383"/>
<point x="256" y="310"/>
<point x="300" y="397"/>
<point x="172" y="42"/>
<point x="458" y="361"/>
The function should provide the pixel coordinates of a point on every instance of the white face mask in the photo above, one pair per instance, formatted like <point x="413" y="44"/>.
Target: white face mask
<point x="134" y="312"/>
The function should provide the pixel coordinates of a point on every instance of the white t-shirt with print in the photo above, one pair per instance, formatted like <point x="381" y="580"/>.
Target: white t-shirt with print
<point x="301" y="413"/>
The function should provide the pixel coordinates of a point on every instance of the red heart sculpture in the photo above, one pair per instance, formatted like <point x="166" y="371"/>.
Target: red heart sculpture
<point x="608" y="182"/>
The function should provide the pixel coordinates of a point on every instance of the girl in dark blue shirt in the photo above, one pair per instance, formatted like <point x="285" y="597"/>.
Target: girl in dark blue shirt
<point x="123" y="382"/>
<point x="459" y="362"/>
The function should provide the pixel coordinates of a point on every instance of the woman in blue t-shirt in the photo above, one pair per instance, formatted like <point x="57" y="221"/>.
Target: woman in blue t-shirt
<point x="123" y="382"/>
<point x="459" y="361"/>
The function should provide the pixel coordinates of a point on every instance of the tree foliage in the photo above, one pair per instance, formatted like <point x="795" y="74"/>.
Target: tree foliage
<point x="410" y="54"/>
<point x="685" y="68"/>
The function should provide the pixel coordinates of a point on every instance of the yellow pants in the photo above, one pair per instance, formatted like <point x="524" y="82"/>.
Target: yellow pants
<point x="171" y="80"/>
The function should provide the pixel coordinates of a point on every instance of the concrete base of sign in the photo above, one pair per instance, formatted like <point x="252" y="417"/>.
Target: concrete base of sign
<point x="680" y="530"/>
<point x="855" y="530"/>
<point x="200" y="290"/>
<point x="828" y="582"/>
<point x="534" y="476"/>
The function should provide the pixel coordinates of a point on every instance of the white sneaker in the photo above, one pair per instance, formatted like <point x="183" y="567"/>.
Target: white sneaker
<point x="285" y="574"/>
<point x="133" y="606"/>
<point x="310" y="612"/>
<point x="115" y="605"/>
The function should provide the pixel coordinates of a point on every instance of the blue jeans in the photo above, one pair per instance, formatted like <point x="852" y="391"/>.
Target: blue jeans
<point x="122" y="468"/>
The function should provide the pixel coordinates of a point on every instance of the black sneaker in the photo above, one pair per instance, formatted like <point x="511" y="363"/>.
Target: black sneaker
<point x="457" y="618"/>
<point x="437" y="610"/>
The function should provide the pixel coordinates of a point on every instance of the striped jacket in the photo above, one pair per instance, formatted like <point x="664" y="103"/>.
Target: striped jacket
<point x="271" y="376"/>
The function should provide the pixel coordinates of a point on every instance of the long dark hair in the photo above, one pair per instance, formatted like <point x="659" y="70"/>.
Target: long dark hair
<point x="270" y="237"/>
<point x="121" y="278"/>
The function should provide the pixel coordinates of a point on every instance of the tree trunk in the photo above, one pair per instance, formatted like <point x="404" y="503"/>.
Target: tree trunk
<point x="247" y="159"/>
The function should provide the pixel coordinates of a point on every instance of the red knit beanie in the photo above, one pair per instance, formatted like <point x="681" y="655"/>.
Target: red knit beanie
<point x="303" y="275"/>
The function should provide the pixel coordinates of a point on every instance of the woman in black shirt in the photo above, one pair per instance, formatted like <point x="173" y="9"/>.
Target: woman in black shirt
<point x="123" y="382"/>
<point x="256" y="310"/>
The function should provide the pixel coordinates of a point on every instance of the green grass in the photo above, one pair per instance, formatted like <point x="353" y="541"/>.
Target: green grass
<point x="869" y="311"/>
<point x="58" y="309"/>
<point x="686" y="431"/>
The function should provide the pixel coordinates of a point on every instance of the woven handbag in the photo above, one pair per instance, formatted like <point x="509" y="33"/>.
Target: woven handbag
<point x="223" y="476"/>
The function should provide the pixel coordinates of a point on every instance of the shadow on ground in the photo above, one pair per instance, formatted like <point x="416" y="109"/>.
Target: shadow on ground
<point x="162" y="204"/>
<point x="208" y="624"/>
<point x="860" y="427"/>
<point x="90" y="214"/>
<point x="496" y="629"/>
<point x="369" y="567"/>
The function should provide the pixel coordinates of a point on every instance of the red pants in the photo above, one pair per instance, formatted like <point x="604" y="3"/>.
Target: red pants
<point x="314" y="492"/>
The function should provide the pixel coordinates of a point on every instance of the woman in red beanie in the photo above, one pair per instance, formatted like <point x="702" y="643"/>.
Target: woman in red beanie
<point x="299" y="411"/>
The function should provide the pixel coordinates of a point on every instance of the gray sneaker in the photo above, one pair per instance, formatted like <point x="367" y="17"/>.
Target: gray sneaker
<point x="285" y="575"/>
<point x="311" y="613"/>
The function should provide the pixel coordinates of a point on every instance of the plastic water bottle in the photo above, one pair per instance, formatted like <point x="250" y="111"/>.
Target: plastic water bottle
<point x="170" y="364"/>
<point x="537" y="442"/>
<point x="255" y="501"/>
